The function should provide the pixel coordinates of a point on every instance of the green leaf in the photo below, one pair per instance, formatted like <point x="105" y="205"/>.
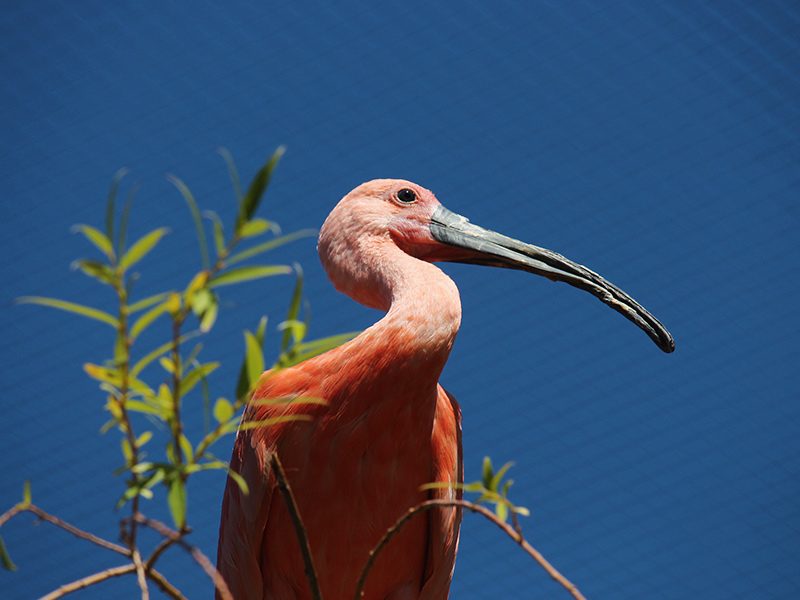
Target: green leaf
<point x="5" y="558"/>
<point x="112" y="197"/>
<point x="498" y="477"/>
<point x="26" y="493"/>
<point x="194" y="377"/>
<point x="248" y="274"/>
<point x="198" y="222"/>
<point x="144" y="438"/>
<point x="147" y="302"/>
<point x="176" y="499"/>
<point x="123" y="220"/>
<point x="294" y="308"/>
<point x="146" y="320"/>
<point x="251" y="200"/>
<point x="295" y="329"/>
<point x="127" y="452"/>
<point x="232" y="171"/>
<point x="162" y="349"/>
<point x="243" y="383"/>
<point x="98" y="238"/>
<point x="487" y="472"/>
<point x="219" y="231"/>
<point x="239" y="481"/>
<point x="186" y="448"/>
<point x="307" y="350"/>
<point x="254" y="357"/>
<point x="167" y="364"/>
<point x="144" y="245"/>
<point x="209" y="317"/>
<point x="143" y="407"/>
<point x="201" y="301"/>
<point x="96" y="270"/>
<point x="270" y="245"/>
<point x="521" y="510"/>
<point x="80" y="309"/>
<point x="247" y="425"/>
<point x="223" y="410"/>
<point x="254" y="227"/>
<point x="501" y="510"/>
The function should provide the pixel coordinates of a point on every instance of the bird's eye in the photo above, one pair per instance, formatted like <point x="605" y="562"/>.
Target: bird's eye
<point x="406" y="196"/>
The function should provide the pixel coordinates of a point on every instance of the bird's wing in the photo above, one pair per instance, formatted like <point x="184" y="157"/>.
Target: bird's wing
<point x="444" y="525"/>
<point x="243" y="521"/>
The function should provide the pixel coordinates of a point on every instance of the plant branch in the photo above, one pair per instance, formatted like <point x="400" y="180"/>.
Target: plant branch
<point x="476" y="508"/>
<point x="300" y="530"/>
<point x="195" y="552"/>
<point x="166" y="587"/>
<point x="85" y="582"/>
<point x="80" y="533"/>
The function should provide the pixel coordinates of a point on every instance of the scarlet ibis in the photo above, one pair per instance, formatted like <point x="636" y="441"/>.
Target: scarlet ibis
<point x="388" y="427"/>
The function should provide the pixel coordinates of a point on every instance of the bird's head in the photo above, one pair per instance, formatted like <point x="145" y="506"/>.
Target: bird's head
<point x="386" y="214"/>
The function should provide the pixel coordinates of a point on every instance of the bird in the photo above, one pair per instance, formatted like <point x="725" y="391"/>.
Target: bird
<point x="387" y="426"/>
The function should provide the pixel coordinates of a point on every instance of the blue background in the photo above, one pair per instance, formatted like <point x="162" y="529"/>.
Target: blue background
<point x="656" y="142"/>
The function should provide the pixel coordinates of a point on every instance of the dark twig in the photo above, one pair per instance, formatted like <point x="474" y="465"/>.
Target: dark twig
<point x="85" y="582"/>
<point x="166" y="587"/>
<point x="195" y="552"/>
<point x="476" y="508"/>
<point x="80" y="533"/>
<point x="300" y="530"/>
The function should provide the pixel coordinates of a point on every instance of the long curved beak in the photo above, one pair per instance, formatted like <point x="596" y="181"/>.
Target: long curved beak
<point x="480" y="246"/>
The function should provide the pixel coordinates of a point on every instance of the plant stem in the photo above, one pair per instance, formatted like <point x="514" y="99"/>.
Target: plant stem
<point x="85" y="582"/>
<point x="476" y="508"/>
<point x="79" y="533"/>
<point x="300" y="530"/>
<point x="195" y="552"/>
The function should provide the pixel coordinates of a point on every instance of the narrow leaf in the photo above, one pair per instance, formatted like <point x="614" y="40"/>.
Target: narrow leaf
<point x="240" y="481"/>
<point x="123" y="220"/>
<point x="498" y="477"/>
<point x="162" y="349"/>
<point x="307" y="350"/>
<point x="98" y="238"/>
<point x="26" y="493"/>
<point x="243" y="384"/>
<point x="194" y="377"/>
<point x="501" y="510"/>
<point x="487" y="472"/>
<point x="248" y="274"/>
<point x="209" y="317"/>
<point x="219" y="231"/>
<point x="254" y="227"/>
<point x="247" y="425"/>
<point x="146" y="320"/>
<point x="294" y="307"/>
<point x="96" y="270"/>
<point x="112" y="198"/>
<point x="176" y="499"/>
<point x="255" y="358"/>
<point x="147" y="302"/>
<point x="80" y="309"/>
<point x="251" y="200"/>
<point x="270" y="245"/>
<point x="186" y="448"/>
<point x="144" y="245"/>
<point x="198" y="221"/>
<point x="232" y="171"/>
<point x="5" y="558"/>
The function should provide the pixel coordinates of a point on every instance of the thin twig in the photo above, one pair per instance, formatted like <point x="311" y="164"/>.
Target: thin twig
<point x="141" y="578"/>
<point x="476" y="508"/>
<point x="80" y="533"/>
<point x="85" y="582"/>
<point x="300" y="530"/>
<point x="162" y="546"/>
<point x="166" y="587"/>
<point x="195" y="552"/>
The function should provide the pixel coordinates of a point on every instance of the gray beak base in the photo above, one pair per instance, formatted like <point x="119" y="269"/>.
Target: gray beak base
<point x="485" y="247"/>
